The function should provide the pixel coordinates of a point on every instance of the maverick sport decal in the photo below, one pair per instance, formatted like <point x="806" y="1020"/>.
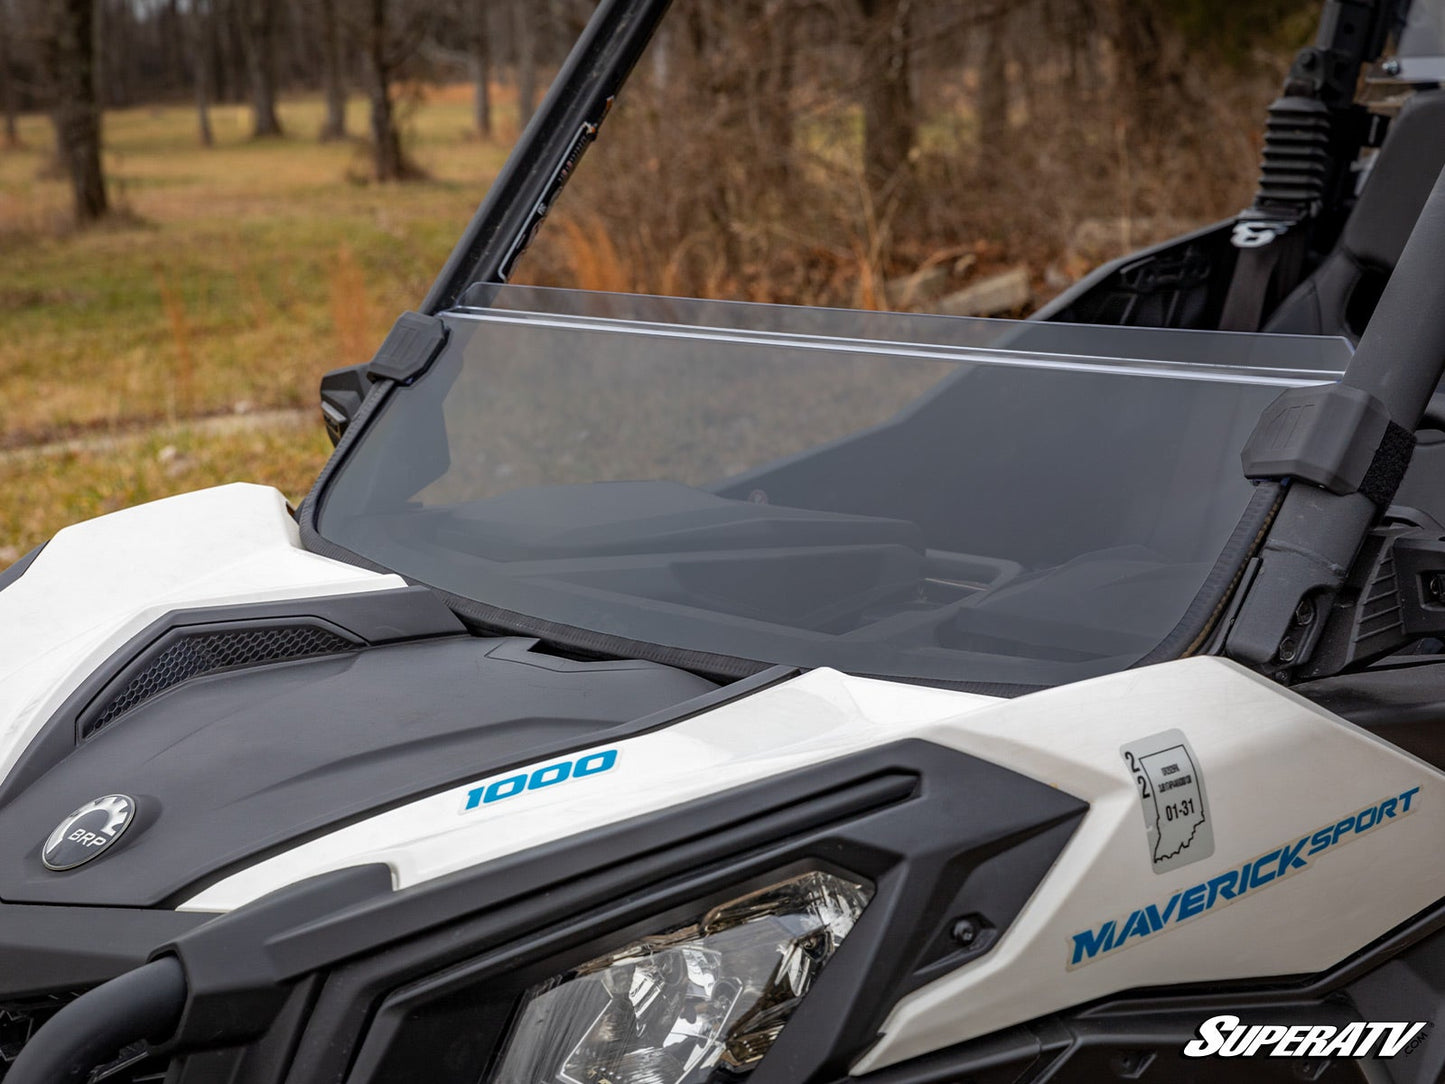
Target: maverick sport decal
<point x="547" y="776"/>
<point x="1285" y="860"/>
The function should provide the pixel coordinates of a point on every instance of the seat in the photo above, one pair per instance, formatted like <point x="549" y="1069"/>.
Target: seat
<point x="1341" y="294"/>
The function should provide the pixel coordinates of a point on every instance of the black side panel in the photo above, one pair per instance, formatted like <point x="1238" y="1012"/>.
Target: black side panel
<point x="1410" y="987"/>
<point x="1402" y="704"/>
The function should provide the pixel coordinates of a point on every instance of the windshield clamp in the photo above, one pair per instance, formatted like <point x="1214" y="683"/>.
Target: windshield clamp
<point x="1333" y="436"/>
<point x="411" y="345"/>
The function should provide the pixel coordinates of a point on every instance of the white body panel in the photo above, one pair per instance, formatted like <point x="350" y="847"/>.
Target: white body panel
<point x="98" y="583"/>
<point x="1275" y="767"/>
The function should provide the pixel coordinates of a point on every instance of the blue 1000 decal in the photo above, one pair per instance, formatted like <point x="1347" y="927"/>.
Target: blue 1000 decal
<point x="541" y="778"/>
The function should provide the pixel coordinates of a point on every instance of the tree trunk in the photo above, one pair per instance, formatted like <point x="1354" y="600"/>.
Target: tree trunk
<point x="993" y="89"/>
<point x="70" y="56"/>
<point x="388" y="164"/>
<point x="226" y="19"/>
<point x="481" y="64"/>
<point x="105" y="93"/>
<point x="258" y="39"/>
<point x="7" y="83"/>
<point x="1139" y="71"/>
<point x="773" y="92"/>
<point x="524" y="39"/>
<point x="889" y="119"/>
<point x="334" y="127"/>
<point x="201" y="53"/>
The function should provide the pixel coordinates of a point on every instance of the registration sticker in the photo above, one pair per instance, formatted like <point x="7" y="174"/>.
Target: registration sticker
<point x="1171" y="794"/>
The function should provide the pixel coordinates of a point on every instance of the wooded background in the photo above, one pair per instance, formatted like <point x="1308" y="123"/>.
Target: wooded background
<point x="936" y="89"/>
<point x="205" y="204"/>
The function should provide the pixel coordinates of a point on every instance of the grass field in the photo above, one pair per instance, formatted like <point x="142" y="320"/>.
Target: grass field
<point x="231" y="280"/>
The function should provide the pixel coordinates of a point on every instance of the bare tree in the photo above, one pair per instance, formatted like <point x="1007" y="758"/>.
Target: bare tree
<point x="258" y="40"/>
<point x="993" y="86"/>
<point x="334" y="126"/>
<point x="889" y="119"/>
<point x="388" y="49"/>
<point x="67" y="49"/>
<point x="480" y="52"/>
<point x="7" y="78"/>
<point x="200" y="42"/>
<point x="524" y="44"/>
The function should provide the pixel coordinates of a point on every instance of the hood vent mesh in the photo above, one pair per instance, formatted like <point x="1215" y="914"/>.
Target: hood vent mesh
<point x="181" y="657"/>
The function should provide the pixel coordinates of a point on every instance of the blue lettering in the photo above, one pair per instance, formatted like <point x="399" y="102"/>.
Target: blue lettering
<point x="1223" y="886"/>
<point x="1136" y="925"/>
<point x="1157" y="921"/>
<point x="1191" y="902"/>
<point x="505" y="788"/>
<point x="1243" y="884"/>
<point x="1289" y="857"/>
<point x="1091" y="943"/>
<point x="1230" y="885"/>
<point x="548" y="776"/>
<point x="559" y="773"/>
<point x="1255" y="880"/>
<point x="594" y="763"/>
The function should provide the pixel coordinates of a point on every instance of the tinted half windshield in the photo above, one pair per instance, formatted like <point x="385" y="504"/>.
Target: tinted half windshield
<point x="908" y="496"/>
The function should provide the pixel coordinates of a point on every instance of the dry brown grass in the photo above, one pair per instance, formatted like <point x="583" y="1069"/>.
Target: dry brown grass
<point x="239" y="276"/>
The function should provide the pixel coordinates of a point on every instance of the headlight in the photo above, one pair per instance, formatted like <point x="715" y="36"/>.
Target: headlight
<point x="670" y="1008"/>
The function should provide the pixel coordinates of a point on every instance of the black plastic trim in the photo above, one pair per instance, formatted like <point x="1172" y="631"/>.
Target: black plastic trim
<point x="1334" y="436"/>
<point x="411" y="345"/>
<point x="50" y="949"/>
<point x="235" y="987"/>
<point x="940" y="834"/>
<point x="1210" y="606"/>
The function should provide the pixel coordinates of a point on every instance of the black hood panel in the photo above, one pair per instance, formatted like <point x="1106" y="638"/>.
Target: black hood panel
<point x="232" y="767"/>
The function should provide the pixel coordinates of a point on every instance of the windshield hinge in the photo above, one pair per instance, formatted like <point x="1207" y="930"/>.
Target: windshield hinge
<point x="411" y="345"/>
<point x="1333" y="436"/>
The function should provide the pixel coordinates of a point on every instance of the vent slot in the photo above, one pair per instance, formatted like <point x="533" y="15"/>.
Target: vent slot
<point x="182" y="656"/>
